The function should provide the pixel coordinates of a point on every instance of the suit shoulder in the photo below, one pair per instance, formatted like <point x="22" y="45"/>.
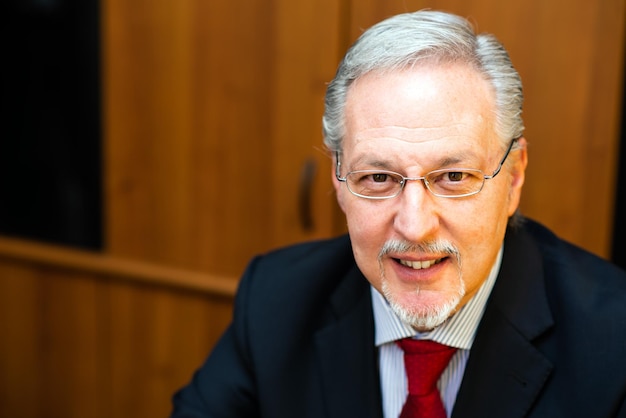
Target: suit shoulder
<point x="314" y="267"/>
<point x="322" y="247"/>
<point x="574" y="259"/>
<point x="582" y="287"/>
<point x="290" y="291"/>
<point x="307" y="256"/>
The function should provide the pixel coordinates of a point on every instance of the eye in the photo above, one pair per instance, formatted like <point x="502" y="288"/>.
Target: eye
<point x="379" y="177"/>
<point x="455" y="176"/>
<point x="375" y="184"/>
<point x="451" y="178"/>
<point x="455" y="182"/>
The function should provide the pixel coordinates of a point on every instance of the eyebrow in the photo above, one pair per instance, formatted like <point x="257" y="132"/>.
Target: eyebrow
<point x="372" y="162"/>
<point x="388" y="164"/>
<point x="451" y="161"/>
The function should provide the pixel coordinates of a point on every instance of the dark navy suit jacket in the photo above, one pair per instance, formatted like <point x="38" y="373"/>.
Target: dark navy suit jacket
<point x="552" y="341"/>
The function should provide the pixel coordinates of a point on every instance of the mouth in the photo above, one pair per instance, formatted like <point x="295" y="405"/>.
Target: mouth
<point x="420" y="265"/>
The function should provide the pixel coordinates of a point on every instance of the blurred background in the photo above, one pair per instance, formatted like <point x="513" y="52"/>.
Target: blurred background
<point x="150" y="148"/>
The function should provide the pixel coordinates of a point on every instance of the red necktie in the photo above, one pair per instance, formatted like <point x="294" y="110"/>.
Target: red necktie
<point x="424" y="362"/>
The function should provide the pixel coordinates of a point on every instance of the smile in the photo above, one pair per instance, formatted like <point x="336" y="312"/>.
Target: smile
<point x="420" y="265"/>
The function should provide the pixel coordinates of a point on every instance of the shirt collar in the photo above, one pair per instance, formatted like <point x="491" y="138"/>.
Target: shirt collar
<point x="458" y="331"/>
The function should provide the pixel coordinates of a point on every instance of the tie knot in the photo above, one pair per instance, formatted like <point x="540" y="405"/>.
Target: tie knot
<point x="424" y="362"/>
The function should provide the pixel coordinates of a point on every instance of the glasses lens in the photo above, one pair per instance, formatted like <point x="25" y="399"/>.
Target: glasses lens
<point x="455" y="182"/>
<point x="376" y="184"/>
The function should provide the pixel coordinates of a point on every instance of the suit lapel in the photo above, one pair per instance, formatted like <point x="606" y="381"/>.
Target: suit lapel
<point x="505" y="372"/>
<point x="347" y="355"/>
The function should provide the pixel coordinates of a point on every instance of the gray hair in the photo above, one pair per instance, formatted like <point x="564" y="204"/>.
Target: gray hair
<point x="403" y="41"/>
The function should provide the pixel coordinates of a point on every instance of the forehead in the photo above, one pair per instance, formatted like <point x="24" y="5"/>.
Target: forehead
<point x="423" y="109"/>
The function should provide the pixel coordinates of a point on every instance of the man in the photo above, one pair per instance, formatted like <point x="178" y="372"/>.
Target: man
<point x="424" y="122"/>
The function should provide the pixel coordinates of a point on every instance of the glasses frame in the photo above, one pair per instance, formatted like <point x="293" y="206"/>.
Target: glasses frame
<point x="423" y="178"/>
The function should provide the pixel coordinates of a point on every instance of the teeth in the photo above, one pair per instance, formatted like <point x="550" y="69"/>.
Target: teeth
<point x="419" y="265"/>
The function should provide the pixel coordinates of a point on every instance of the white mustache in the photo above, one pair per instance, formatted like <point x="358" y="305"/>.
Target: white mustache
<point x="436" y="248"/>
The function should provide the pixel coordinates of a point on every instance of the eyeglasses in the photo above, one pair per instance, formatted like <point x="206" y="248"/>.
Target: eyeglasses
<point x="449" y="182"/>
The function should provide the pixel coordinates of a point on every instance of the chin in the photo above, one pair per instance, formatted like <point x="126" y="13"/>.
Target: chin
<point x="421" y="314"/>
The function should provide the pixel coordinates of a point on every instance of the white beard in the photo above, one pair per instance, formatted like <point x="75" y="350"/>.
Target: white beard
<point x="422" y="317"/>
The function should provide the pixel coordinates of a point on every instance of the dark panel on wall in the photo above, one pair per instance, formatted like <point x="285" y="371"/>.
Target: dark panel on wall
<point x="618" y="254"/>
<point x="50" y="162"/>
<point x="619" y="231"/>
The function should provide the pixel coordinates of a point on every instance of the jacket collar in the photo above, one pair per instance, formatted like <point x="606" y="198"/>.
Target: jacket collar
<point x="505" y="372"/>
<point x="347" y="355"/>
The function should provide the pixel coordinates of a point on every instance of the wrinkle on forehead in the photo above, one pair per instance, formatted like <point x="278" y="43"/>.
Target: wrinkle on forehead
<point x="423" y="117"/>
<point x="466" y="158"/>
<point x="420" y="104"/>
<point x="413" y="135"/>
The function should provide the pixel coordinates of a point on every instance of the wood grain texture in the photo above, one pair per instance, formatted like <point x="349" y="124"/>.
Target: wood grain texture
<point x="212" y="110"/>
<point x="79" y="340"/>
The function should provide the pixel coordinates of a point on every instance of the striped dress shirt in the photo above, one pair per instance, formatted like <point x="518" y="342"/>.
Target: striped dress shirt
<point x="457" y="332"/>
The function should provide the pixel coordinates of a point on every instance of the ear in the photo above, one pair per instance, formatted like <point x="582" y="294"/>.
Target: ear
<point x="339" y="190"/>
<point x="517" y="172"/>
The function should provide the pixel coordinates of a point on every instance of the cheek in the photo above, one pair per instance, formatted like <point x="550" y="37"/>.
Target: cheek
<point x="364" y="226"/>
<point x="368" y="227"/>
<point x="479" y="239"/>
<point x="486" y="230"/>
<point x="366" y="244"/>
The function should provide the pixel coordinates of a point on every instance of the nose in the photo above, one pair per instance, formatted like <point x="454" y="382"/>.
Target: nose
<point x="417" y="215"/>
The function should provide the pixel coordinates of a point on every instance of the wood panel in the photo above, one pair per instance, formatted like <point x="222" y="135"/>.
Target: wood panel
<point x="96" y="336"/>
<point x="212" y="110"/>
<point x="570" y="57"/>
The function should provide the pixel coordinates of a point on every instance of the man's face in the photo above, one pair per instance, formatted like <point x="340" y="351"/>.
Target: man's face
<point x="413" y="122"/>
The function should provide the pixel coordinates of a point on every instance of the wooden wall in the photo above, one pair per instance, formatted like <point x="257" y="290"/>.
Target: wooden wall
<point x="212" y="112"/>
<point x="88" y="335"/>
<point x="212" y="153"/>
